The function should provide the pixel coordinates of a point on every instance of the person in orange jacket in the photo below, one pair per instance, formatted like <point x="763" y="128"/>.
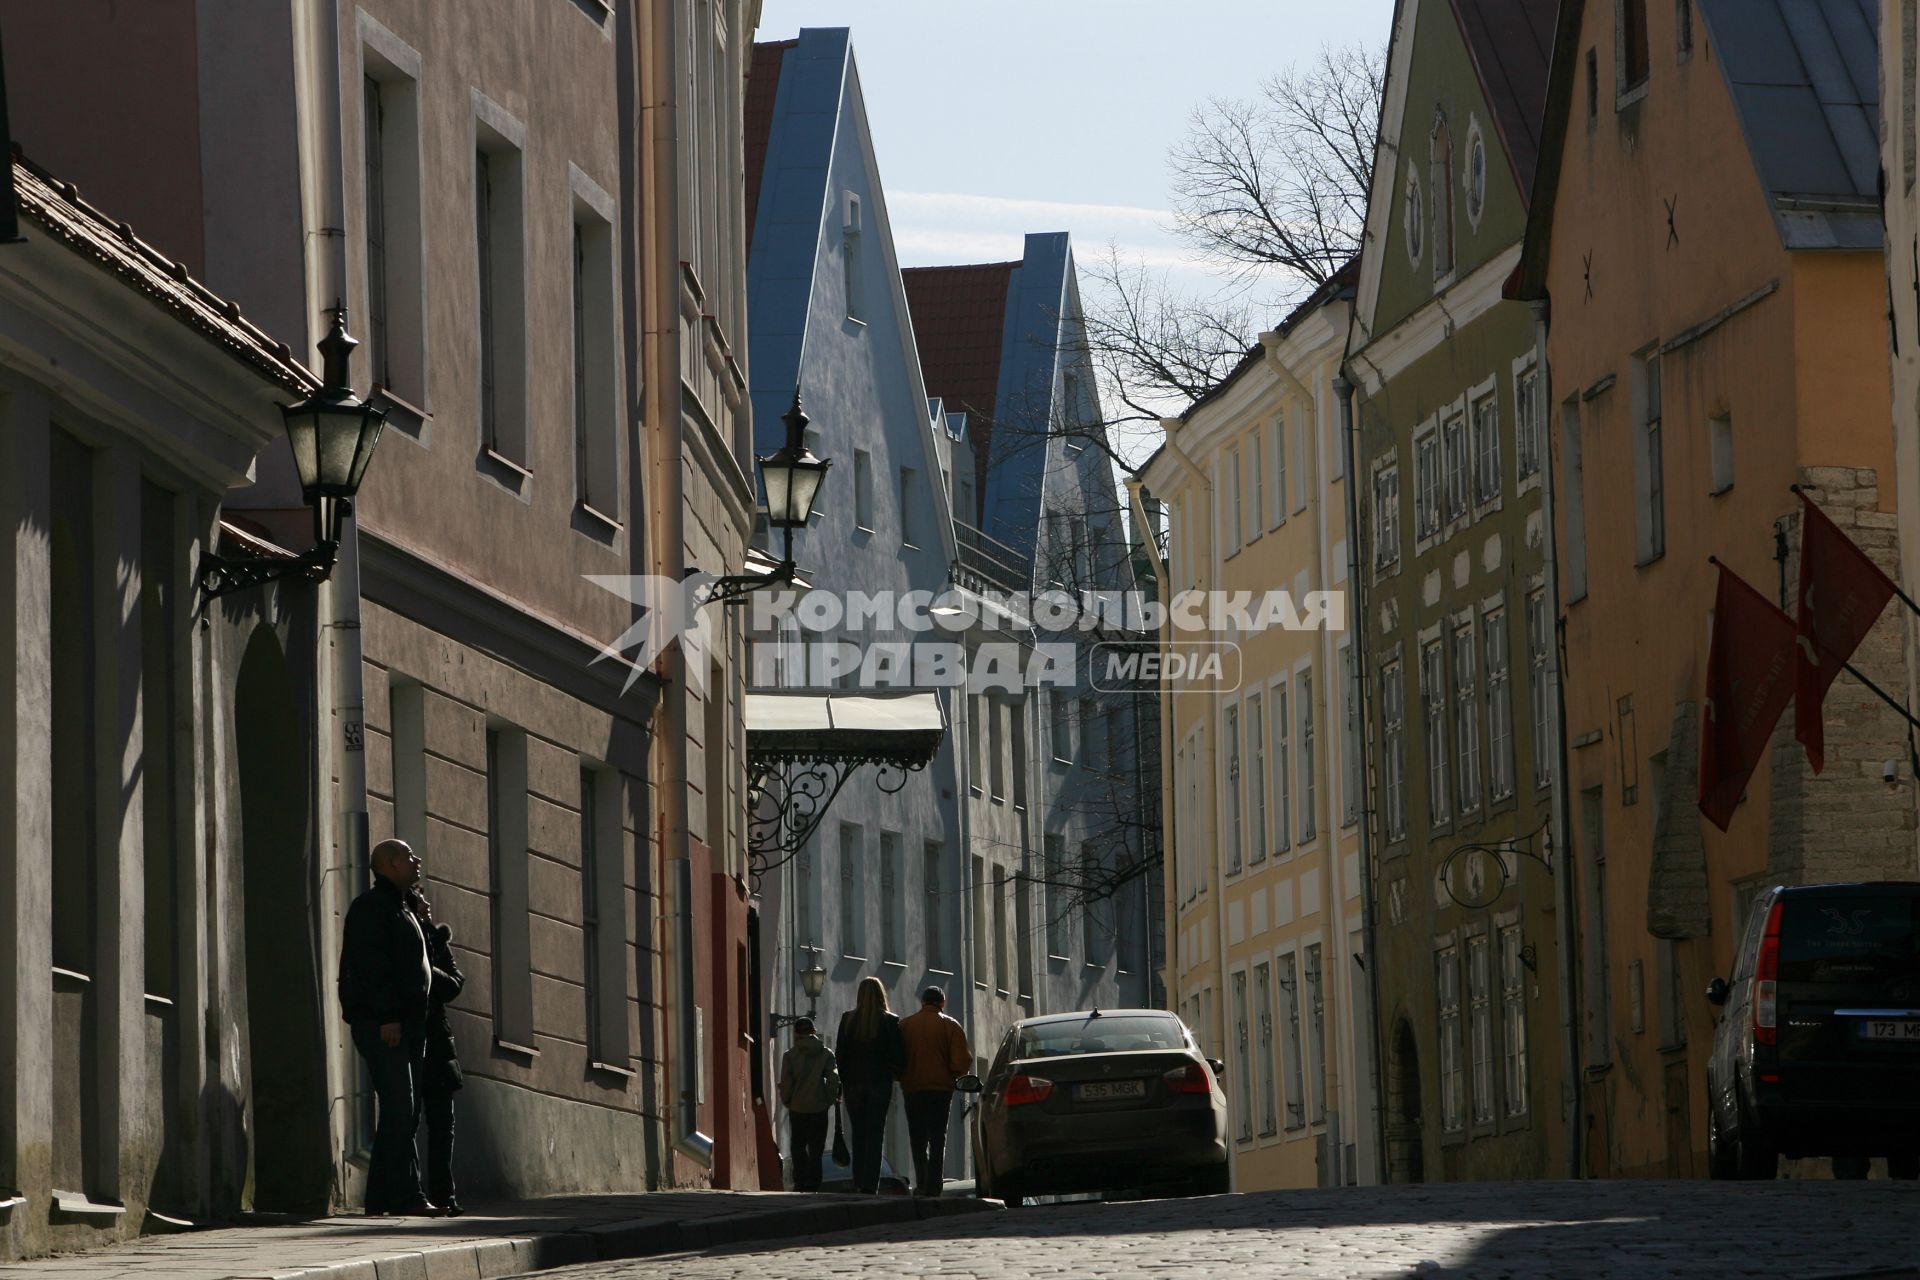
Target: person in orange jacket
<point x="937" y="1056"/>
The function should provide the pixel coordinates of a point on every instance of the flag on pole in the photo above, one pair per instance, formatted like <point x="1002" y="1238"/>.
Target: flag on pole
<point x="1842" y="593"/>
<point x="1750" y="669"/>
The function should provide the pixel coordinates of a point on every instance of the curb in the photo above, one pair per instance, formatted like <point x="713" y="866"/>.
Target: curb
<point x="615" y="1241"/>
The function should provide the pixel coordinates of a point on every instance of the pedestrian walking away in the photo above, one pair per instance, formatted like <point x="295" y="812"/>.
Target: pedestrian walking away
<point x="937" y="1056"/>
<point x="385" y="984"/>
<point x="871" y="1057"/>
<point x="440" y="1078"/>
<point x="809" y="1088"/>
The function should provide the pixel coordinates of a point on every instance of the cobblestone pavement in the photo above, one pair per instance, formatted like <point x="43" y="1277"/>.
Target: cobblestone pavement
<point x="1554" y="1231"/>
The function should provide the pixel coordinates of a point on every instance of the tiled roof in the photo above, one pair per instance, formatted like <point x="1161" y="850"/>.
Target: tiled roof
<point x="959" y="323"/>
<point x="1511" y="44"/>
<point x="763" y="87"/>
<point x="56" y="207"/>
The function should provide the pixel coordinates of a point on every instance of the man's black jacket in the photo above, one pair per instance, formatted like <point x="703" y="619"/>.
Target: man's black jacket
<point x="384" y="975"/>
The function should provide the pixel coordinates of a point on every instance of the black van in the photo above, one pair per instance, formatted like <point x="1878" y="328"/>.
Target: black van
<point x="1818" y="1052"/>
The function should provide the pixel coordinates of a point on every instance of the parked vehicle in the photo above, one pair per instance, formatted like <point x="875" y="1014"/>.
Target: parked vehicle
<point x="1100" y="1101"/>
<point x="1818" y="1053"/>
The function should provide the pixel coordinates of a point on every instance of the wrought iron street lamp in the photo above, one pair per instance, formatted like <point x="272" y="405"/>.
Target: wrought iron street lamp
<point x="791" y="476"/>
<point x="333" y="433"/>
<point x="813" y="981"/>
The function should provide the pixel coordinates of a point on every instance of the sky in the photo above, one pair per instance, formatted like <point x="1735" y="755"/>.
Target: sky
<point x="993" y="118"/>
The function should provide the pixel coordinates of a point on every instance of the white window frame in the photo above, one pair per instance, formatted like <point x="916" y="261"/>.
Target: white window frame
<point x="1254" y="719"/>
<point x="1447" y="1003"/>
<point x="1497" y="664"/>
<point x="1429" y="479"/>
<point x="1466" y="711"/>
<point x="1393" y="747"/>
<point x="1529" y="444"/>
<point x="501" y="264"/>
<point x="1434" y="700"/>
<point x="1233" y="828"/>
<point x="1386" y="516"/>
<point x="1279" y="715"/>
<point x="1488" y="478"/>
<point x="402" y="368"/>
<point x="1513" y="1019"/>
<point x="596" y="350"/>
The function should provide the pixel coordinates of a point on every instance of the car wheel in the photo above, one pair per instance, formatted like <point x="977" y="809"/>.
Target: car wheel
<point x="1009" y="1190"/>
<point x="1755" y="1157"/>
<point x="1723" y="1161"/>
<point x="1214" y="1180"/>
<point x="1904" y="1167"/>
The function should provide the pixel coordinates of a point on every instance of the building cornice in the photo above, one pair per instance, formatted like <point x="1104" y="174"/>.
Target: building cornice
<point x="1381" y="359"/>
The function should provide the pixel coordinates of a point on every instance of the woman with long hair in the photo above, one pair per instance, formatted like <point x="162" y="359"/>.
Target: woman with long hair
<point x="871" y="1055"/>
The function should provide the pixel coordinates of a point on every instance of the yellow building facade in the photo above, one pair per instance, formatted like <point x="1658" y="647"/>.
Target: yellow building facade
<point x="1264" y="905"/>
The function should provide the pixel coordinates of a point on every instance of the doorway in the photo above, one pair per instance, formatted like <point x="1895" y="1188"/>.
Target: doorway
<point x="1406" y="1160"/>
<point x="291" y="1161"/>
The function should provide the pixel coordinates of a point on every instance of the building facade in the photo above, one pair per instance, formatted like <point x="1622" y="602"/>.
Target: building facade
<point x="1456" y="600"/>
<point x="1267" y="956"/>
<point x="1735" y="146"/>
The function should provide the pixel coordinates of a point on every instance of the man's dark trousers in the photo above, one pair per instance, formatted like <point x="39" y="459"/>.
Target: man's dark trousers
<point x="808" y="1132"/>
<point x="393" y="1171"/>
<point x="927" y="1112"/>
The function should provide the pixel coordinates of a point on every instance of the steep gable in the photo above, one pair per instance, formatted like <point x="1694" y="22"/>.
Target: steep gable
<point x="959" y="324"/>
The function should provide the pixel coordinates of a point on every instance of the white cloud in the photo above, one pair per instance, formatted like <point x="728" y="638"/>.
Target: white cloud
<point x="1039" y="214"/>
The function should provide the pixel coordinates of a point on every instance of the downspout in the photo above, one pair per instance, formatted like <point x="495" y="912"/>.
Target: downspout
<point x="1557" y="711"/>
<point x="1356" y="620"/>
<point x="1163" y="727"/>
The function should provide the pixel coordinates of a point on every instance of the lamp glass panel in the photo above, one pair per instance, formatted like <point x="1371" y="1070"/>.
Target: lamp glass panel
<point x="778" y="478"/>
<point x="806" y="487"/>
<point x="813" y="981"/>
<point x="303" y="434"/>
<point x="371" y="423"/>
<point x="339" y="445"/>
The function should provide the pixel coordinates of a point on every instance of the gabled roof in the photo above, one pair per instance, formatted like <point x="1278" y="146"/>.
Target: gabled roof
<point x="1511" y="44"/>
<point x="959" y="325"/>
<point x="763" y="87"/>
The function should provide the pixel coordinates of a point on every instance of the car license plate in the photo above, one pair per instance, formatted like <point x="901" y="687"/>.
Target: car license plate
<point x="1889" y="1029"/>
<point x="1105" y="1089"/>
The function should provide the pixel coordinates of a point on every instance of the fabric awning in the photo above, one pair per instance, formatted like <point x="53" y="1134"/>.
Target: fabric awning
<point x="902" y="729"/>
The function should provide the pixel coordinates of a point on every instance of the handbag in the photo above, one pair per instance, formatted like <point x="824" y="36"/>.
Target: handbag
<point x="841" y="1156"/>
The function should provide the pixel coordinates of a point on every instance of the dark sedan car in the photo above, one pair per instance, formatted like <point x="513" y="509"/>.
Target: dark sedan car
<point x="1100" y="1101"/>
<point x="1818" y="1053"/>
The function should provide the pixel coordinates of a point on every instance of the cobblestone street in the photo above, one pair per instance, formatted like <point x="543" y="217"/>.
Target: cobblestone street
<point x="1626" y="1230"/>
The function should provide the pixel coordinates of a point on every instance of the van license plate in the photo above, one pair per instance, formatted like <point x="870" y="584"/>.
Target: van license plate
<point x="1104" y="1089"/>
<point x="1885" y="1029"/>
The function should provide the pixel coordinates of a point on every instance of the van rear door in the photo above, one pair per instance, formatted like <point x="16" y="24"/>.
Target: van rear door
<point x="1850" y="989"/>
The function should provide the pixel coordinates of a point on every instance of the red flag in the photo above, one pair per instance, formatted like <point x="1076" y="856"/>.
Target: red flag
<point x="1842" y="592"/>
<point x="1750" y="667"/>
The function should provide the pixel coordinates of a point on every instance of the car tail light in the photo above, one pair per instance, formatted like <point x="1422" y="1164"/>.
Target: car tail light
<point x="1766" y="984"/>
<point x="1192" y="1078"/>
<point x="1022" y="1090"/>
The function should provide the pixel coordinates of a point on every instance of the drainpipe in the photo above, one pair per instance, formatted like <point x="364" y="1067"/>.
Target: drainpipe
<point x="1357" y="621"/>
<point x="1163" y="725"/>
<point x="1557" y="710"/>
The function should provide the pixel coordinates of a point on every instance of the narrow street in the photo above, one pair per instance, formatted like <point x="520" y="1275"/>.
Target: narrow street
<point x="1621" y="1230"/>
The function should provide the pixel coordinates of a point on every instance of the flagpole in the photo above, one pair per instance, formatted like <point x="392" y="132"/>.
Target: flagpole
<point x="1846" y="666"/>
<point x="1904" y="598"/>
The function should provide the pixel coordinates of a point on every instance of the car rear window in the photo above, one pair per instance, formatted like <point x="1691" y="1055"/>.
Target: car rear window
<point x="1850" y="939"/>
<point x="1099" y="1035"/>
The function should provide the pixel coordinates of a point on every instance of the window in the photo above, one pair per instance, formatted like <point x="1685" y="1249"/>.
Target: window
<point x="1720" y="451"/>
<point x="1910" y="90"/>
<point x="1513" y="1018"/>
<point x="1486" y="449"/>
<point x="1231" y="790"/>
<point x="933" y="878"/>
<point x="850" y="256"/>
<point x="1282" y="772"/>
<point x="1466" y="724"/>
<point x="1433" y="691"/>
<point x="979" y="889"/>
<point x="1350" y="773"/>
<point x="1683" y="31"/>
<point x="1453" y="1109"/>
<point x="500" y="251"/>
<point x="1302" y="444"/>
<point x="1093" y="926"/>
<point x="1593" y="87"/>
<point x="853" y="886"/>
<point x="1017" y="731"/>
<point x="1539" y="637"/>
<point x="507" y="857"/>
<point x="373" y="117"/>
<point x="1576" y="502"/>
<point x="1526" y="423"/>
<point x="1499" y="707"/>
<point x="1290" y="1044"/>
<point x="1308" y="767"/>
<point x="1631" y="55"/>
<point x="1650" y="520"/>
<point x="1242" y="1061"/>
<point x="1476" y="181"/>
<point x="1440" y="181"/>
<point x="1386" y="518"/>
<point x="909" y="507"/>
<point x="1091" y="739"/>
<point x="809" y="872"/>
<point x="1263" y="1030"/>
<point x="893" y="899"/>
<point x="1393" y="743"/>
<point x="1279" y="513"/>
<point x="863" y="490"/>
<point x="976" y="728"/>
<point x="1426" y="485"/>
<point x="603" y="923"/>
<point x="1256" y="477"/>
<point x="1055" y="898"/>
<point x="1316" y="1035"/>
<point x="1234" y="515"/>
<point x="1454" y="444"/>
<point x="1002" y="971"/>
<point x="1256" y="781"/>
<point x="1480" y="1026"/>
<point x="1597" y="973"/>
<point x="996" y="747"/>
<point x="596" y="425"/>
<point x="390" y="123"/>
<point x="1413" y="216"/>
<point x="1060" y="725"/>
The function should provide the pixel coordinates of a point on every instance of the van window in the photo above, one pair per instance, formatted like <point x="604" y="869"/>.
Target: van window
<point x="1850" y="939"/>
<point x="1750" y="936"/>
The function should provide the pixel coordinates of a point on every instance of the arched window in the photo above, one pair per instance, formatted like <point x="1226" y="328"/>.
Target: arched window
<point x="1413" y="218"/>
<point x="1440" y="180"/>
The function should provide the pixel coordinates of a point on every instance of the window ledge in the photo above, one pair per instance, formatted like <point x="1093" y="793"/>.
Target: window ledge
<point x="74" y="1204"/>
<point x="1624" y="98"/>
<point x="894" y="964"/>
<point x="608" y="1068"/>
<point x="505" y="463"/>
<point x="587" y="511"/>
<point x="522" y="1050"/>
<point x="410" y="418"/>
<point x="854" y="958"/>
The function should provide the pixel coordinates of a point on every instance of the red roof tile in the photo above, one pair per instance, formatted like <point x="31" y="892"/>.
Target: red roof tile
<point x="763" y="87"/>
<point x="959" y="320"/>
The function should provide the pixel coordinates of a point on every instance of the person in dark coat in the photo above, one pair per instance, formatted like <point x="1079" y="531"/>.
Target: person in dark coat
<point x="442" y="1078"/>
<point x="871" y="1056"/>
<point x="385" y="982"/>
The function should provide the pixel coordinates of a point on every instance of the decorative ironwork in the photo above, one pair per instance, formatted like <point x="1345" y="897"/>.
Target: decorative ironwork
<point x="1478" y="857"/>
<point x="221" y="575"/>
<point x="788" y="797"/>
